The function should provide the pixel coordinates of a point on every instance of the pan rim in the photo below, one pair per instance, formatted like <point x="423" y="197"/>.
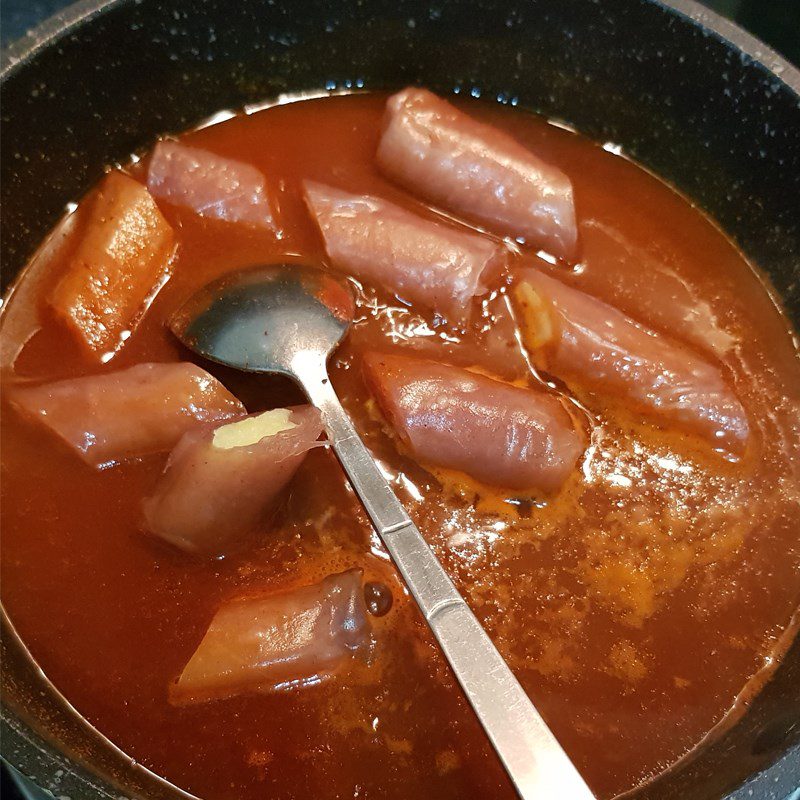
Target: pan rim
<point x="19" y="52"/>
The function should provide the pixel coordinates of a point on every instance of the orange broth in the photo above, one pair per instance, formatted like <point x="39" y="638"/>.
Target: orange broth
<point x="639" y="606"/>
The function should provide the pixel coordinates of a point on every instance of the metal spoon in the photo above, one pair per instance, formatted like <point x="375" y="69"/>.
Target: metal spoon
<point x="288" y="319"/>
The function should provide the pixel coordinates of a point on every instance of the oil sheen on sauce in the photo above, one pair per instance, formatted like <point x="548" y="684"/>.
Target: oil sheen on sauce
<point x="638" y="606"/>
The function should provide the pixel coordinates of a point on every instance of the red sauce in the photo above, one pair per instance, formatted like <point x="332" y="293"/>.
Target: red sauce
<point x="638" y="606"/>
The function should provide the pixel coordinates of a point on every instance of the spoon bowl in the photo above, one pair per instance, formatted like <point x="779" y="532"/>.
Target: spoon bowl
<point x="260" y="319"/>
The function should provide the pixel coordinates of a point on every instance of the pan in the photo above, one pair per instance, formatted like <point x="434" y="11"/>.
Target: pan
<point x="687" y="94"/>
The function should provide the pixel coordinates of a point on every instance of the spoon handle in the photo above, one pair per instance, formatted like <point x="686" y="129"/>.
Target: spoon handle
<point x="532" y="756"/>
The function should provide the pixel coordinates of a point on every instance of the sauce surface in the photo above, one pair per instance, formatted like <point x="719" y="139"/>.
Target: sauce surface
<point x="638" y="606"/>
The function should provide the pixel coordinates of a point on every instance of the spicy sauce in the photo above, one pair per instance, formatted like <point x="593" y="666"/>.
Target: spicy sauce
<point x="639" y="606"/>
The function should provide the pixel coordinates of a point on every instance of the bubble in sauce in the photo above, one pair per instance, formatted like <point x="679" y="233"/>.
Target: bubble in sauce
<point x="378" y="598"/>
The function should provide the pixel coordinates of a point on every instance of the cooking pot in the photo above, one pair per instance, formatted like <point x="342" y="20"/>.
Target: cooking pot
<point x="684" y="92"/>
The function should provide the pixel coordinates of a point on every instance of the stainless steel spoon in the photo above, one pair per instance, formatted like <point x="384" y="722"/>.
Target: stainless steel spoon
<point x="288" y="319"/>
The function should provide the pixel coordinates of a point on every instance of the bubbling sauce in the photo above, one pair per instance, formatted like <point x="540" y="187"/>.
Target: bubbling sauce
<point x="639" y="606"/>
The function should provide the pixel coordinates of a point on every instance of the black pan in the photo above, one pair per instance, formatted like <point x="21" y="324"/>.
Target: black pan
<point x="687" y="94"/>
